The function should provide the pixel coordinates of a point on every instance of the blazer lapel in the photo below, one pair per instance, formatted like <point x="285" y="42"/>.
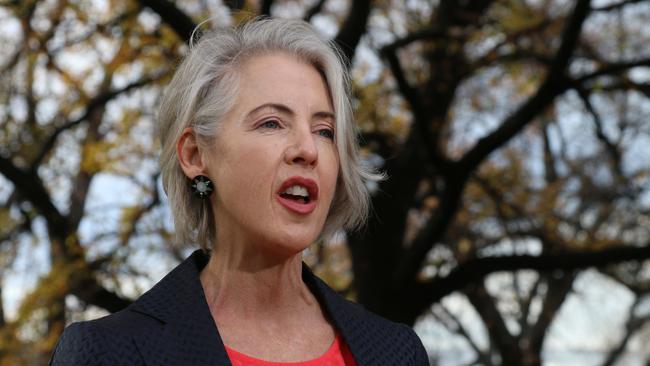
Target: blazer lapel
<point x="348" y="317"/>
<point x="182" y="330"/>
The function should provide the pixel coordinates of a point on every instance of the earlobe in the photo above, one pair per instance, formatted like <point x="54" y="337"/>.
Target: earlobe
<point x="189" y="154"/>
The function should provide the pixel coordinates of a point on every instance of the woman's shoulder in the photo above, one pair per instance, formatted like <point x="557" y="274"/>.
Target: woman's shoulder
<point x="394" y="343"/>
<point x="369" y="335"/>
<point x="137" y="332"/>
<point x="103" y="341"/>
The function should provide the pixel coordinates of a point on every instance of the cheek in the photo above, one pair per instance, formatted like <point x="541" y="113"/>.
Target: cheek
<point x="244" y="173"/>
<point x="237" y="177"/>
<point x="330" y="173"/>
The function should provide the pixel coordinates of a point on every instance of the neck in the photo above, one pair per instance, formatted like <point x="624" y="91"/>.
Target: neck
<point x="241" y="283"/>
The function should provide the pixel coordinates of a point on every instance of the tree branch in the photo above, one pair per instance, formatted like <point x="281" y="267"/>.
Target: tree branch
<point x="475" y="269"/>
<point x="130" y="229"/>
<point x="30" y="187"/>
<point x="557" y="291"/>
<point x="496" y="54"/>
<point x="485" y="306"/>
<point x="421" y="122"/>
<point x="432" y="32"/>
<point x="554" y="84"/>
<point x="265" y="9"/>
<point x="613" y="69"/>
<point x="235" y="5"/>
<point x="180" y="22"/>
<point x="643" y="88"/>
<point x="353" y="28"/>
<point x="95" y="103"/>
<point x="314" y="10"/>
<point x="633" y="324"/>
<point x="611" y="148"/>
<point x="618" y="5"/>
<point x="483" y="357"/>
<point x="525" y="305"/>
<point x="91" y="292"/>
<point x="409" y="93"/>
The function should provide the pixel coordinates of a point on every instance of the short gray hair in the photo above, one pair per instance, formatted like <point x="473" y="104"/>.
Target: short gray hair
<point x="204" y="89"/>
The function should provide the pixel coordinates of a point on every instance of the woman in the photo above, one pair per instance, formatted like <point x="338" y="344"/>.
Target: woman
<point x="259" y="160"/>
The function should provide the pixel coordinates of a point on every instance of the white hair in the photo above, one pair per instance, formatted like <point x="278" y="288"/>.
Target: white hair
<point x="204" y="89"/>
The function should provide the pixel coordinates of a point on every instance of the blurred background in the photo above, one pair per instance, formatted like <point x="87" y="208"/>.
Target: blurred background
<point x="514" y="228"/>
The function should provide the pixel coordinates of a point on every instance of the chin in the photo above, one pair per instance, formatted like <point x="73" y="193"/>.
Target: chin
<point x="293" y="242"/>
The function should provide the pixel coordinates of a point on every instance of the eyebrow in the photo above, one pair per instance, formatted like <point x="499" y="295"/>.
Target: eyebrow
<point x="284" y="109"/>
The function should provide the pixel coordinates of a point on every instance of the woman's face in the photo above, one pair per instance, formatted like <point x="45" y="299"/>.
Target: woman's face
<point x="274" y="162"/>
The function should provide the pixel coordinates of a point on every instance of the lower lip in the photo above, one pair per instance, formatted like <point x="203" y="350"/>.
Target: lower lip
<point x="297" y="207"/>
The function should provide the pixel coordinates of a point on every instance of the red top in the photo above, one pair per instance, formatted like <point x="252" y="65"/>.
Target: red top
<point x="337" y="355"/>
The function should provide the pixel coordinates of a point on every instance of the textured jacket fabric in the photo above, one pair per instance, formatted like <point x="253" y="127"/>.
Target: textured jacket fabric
<point x="171" y="324"/>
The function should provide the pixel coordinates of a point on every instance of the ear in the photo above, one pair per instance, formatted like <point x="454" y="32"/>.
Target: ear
<point x="189" y="154"/>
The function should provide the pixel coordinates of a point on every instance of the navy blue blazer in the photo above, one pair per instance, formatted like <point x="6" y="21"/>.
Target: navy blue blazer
<point x="171" y="324"/>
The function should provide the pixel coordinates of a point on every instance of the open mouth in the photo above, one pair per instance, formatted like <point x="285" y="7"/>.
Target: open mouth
<point x="298" y="195"/>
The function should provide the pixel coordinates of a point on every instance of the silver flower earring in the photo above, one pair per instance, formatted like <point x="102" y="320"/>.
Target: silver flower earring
<point x="202" y="186"/>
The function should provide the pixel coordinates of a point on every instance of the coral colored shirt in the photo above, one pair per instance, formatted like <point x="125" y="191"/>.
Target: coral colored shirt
<point x="337" y="355"/>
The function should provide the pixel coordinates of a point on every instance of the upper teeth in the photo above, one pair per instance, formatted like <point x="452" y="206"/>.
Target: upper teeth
<point x="297" y="190"/>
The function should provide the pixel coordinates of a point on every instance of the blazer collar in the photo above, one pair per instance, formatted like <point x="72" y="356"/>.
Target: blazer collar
<point x="180" y="291"/>
<point x="347" y="317"/>
<point x="187" y="329"/>
<point x="183" y="332"/>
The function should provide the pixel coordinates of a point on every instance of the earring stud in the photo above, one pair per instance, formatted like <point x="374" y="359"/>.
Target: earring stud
<point x="201" y="186"/>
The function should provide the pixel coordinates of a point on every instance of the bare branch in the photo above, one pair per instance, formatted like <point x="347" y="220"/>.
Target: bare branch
<point x="97" y="102"/>
<point x="422" y="125"/>
<point x="409" y="93"/>
<point x="525" y="306"/>
<point x="180" y="22"/>
<point x="618" y="5"/>
<point x="429" y="33"/>
<point x="496" y="54"/>
<point x="475" y="269"/>
<point x="611" y="148"/>
<point x="98" y="28"/>
<point x="91" y="292"/>
<point x="30" y="187"/>
<point x="235" y="4"/>
<point x="314" y="10"/>
<point x="644" y="88"/>
<point x="632" y="324"/>
<point x="266" y="7"/>
<point x="554" y="84"/>
<point x="20" y="227"/>
<point x="559" y="288"/>
<point x="613" y="69"/>
<point x="460" y="329"/>
<point x="485" y="306"/>
<point x="550" y="172"/>
<point x="141" y="211"/>
<point x="353" y="28"/>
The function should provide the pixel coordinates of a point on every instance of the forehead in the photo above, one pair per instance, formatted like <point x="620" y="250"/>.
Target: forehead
<point x="284" y="78"/>
<point x="278" y="59"/>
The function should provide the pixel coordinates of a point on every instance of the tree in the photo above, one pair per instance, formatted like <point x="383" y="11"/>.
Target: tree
<point x="544" y="172"/>
<point x="58" y="105"/>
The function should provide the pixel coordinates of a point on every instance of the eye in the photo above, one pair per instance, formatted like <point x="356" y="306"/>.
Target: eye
<point x="327" y="133"/>
<point x="273" y="124"/>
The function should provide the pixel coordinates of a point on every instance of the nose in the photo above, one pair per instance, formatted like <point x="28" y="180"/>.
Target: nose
<point x="302" y="148"/>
